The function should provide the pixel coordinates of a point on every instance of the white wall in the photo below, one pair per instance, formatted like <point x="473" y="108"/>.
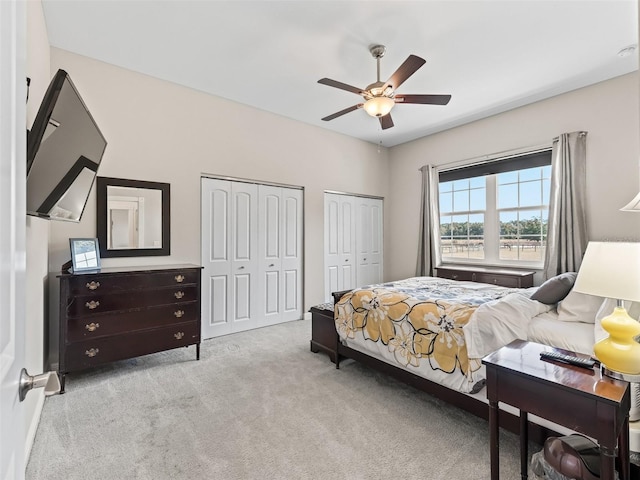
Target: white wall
<point x="159" y="131"/>
<point x="608" y="111"/>
<point x="37" y="233"/>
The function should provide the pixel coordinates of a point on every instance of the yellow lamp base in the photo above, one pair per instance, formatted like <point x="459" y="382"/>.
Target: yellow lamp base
<point x="619" y="351"/>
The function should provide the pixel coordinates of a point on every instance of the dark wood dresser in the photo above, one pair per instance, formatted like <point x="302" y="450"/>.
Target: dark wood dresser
<point x="496" y="276"/>
<point x="122" y="313"/>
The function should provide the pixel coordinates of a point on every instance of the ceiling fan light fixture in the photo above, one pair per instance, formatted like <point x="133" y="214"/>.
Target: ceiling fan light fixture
<point x="379" y="106"/>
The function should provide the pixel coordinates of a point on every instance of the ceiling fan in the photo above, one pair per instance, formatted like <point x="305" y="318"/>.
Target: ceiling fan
<point x="380" y="97"/>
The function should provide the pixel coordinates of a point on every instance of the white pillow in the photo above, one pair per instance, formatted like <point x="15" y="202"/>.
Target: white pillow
<point x="579" y="307"/>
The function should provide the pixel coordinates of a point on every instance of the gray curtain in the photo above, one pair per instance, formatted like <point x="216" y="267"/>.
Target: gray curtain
<point x="429" y="235"/>
<point x="567" y="234"/>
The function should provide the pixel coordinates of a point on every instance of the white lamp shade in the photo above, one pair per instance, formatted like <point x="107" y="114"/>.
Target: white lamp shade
<point x="379" y="106"/>
<point x="633" y="205"/>
<point x="610" y="270"/>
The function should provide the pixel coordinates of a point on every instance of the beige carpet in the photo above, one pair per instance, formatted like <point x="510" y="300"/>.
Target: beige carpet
<point x="258" y="405"/>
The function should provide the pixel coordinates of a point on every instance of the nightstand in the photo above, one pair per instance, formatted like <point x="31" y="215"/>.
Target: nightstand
<point x="323" y="330"/>
<point x="583" y="400"/>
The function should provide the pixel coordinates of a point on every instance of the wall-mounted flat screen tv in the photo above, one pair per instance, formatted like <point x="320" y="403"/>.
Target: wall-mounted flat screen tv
<point x="64" y="150"/>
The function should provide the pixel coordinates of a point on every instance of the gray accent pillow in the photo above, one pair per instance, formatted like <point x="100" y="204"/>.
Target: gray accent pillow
<point x="555" y="289"/>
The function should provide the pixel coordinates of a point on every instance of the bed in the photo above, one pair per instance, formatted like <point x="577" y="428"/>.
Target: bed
<point x="433" y="332"/>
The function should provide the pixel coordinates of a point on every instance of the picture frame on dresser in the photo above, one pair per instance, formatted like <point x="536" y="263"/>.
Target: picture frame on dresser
<point x="85" y="254"/>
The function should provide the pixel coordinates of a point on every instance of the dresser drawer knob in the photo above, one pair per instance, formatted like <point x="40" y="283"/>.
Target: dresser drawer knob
<point x="93" y="285"/>
<point x="92" y="327"/>
<point x="179" y="313"/>
<point x="92" y="304"/>
<point x="92" y="352"/>
<point x="454" y="276"/>
<point x="179" y="278"/>
<point x="178" y="335"/>
<point x="179" y="294"/>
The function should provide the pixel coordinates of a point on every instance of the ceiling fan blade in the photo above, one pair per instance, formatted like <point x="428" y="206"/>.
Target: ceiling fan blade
<point x="423" y="99"/>
<point x="342" y="112"/>
<point x="340" y="85"/>
<point x="386" y="122"/>
<point x="408" y="68"/>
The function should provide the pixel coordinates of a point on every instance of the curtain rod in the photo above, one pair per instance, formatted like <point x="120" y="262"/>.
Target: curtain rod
<point x="494" y="156"/>
<point x="491" y="156"/>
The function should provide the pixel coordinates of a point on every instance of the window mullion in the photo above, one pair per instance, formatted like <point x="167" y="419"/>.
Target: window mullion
<point x="491" y="222"/>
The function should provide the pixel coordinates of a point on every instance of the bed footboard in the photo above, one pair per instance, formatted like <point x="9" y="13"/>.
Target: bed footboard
<point x="537" y="433"/>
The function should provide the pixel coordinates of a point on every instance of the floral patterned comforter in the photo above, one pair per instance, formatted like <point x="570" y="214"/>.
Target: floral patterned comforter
<point x="417" y="324"/>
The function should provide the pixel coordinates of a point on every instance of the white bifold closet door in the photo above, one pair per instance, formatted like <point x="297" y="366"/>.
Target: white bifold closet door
<point x="353" y="236"/>
<point x="251" y="256"/>
<point x="279" y="254"/>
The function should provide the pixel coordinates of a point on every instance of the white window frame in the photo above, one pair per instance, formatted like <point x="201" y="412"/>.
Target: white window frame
<point x="491" y="213"/>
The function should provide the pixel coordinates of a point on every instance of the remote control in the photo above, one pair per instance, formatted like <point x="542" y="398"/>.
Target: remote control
<point x="570" y="359"/>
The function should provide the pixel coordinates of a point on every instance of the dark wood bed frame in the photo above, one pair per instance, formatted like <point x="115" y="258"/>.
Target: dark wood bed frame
<point x="508" y="421"/>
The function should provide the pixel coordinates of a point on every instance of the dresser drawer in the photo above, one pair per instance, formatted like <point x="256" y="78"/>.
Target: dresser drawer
<point x="460" y="275"/>
<point x="84" y="305"/>
<point x="95" y="326"/>
<point x="502" y="280"/>
<point x="89" y="353"/>
<point x="96" y="283"/>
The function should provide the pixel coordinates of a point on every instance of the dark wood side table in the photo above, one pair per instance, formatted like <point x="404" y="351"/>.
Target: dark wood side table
<point x="580" y="399"/>
<point x="323" y="330"/>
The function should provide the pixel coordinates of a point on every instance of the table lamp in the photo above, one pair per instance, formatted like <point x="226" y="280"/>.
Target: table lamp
<point x="612" y="270"/>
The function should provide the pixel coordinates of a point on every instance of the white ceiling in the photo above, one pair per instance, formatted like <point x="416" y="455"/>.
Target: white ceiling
<point x="491" y="56"/>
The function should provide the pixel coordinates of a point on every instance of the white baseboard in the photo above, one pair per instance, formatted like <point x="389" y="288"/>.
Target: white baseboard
<point x="306" y="316"/>
<point x="33" y="426"/>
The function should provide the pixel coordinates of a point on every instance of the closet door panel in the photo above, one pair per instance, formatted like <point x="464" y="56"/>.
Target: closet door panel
<point x="291" y="233"/>
<point x="375" y="256"/>
<point x="331" y="281"/>
<point x="244" y="265"/>
<point x="216" y="257"/>
<point x="242" y="297"/>
<point x="269" y="251"/>
<point x="218" y="293"/>
<point x="272" y="293"/>
<point x="331" y="242"/>
<point x="363" y="241"/>
<point x="347" y="244"/>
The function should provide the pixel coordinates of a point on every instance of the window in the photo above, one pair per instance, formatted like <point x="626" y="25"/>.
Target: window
<point x="496" y="212"/>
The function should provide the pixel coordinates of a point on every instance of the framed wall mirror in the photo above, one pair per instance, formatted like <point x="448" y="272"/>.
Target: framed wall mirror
<point x="133" y="218"/>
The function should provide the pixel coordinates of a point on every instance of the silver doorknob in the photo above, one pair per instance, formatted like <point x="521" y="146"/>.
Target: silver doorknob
<point x="48" y="380"/>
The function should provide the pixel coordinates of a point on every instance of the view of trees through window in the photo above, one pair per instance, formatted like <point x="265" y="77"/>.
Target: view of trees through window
<point x="496" y="218"/>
